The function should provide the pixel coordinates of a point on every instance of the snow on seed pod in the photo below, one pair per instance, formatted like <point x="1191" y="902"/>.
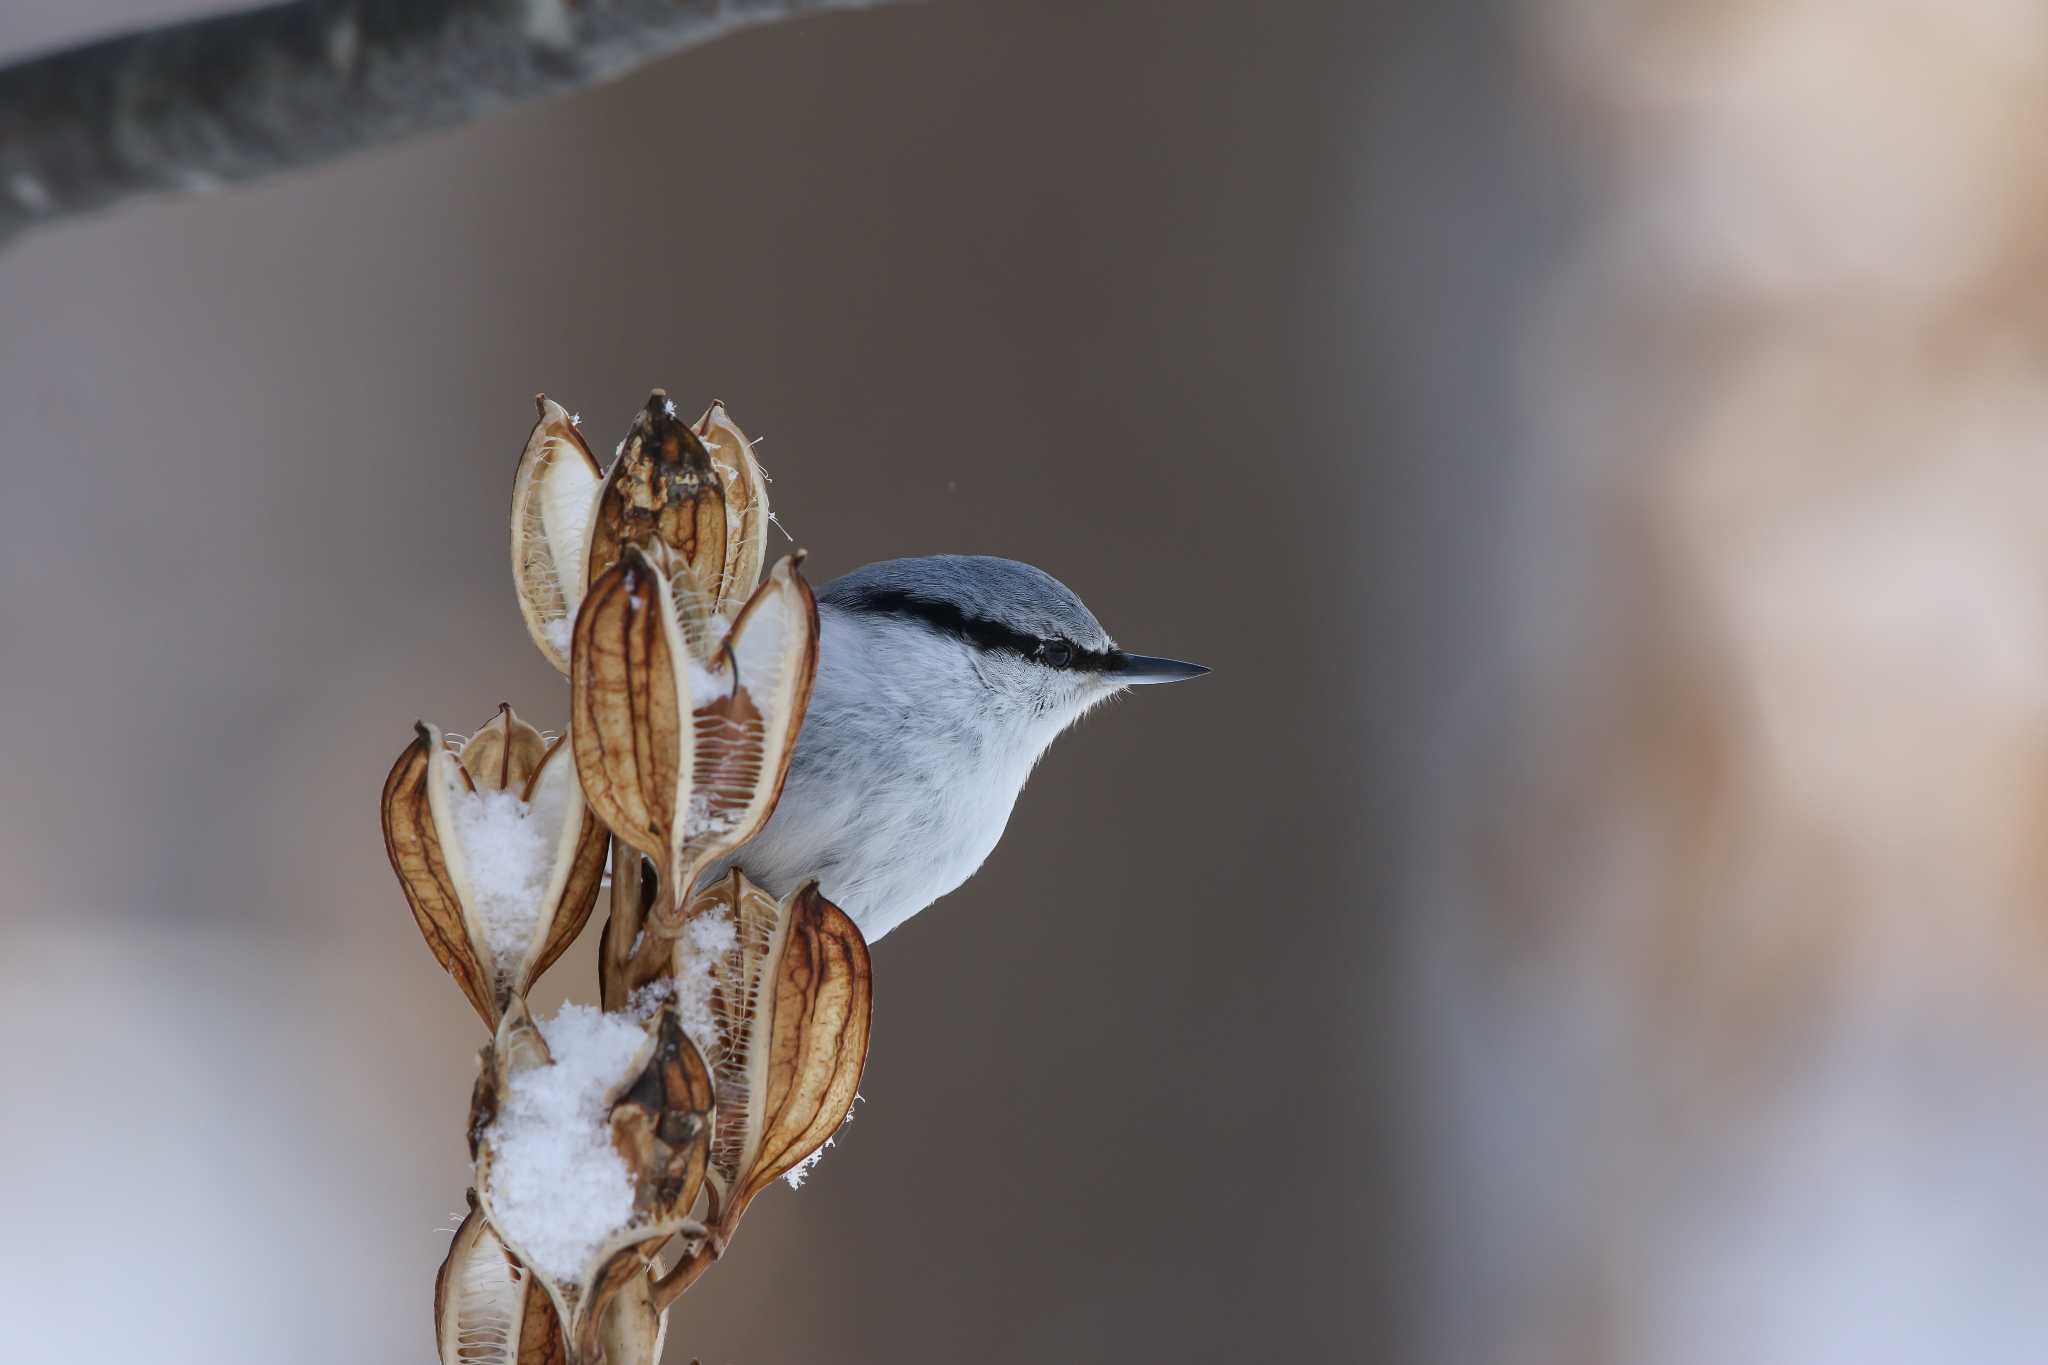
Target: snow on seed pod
<point x="591" y="1136"/>
<point x="499" y="857"/>
<point x="683" y="733"/>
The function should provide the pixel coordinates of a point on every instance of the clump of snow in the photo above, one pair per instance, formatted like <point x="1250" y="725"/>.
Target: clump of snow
<point x="508" y="849"/>
<point x="705" y="685"/>
<point x="701" y="821"/>
<point x="649" y="998"/>
<point x="559" y="632"/>
<point x="559" y="1189"/>
<point x="706" y="940"/>
<point x="706" y="632"/>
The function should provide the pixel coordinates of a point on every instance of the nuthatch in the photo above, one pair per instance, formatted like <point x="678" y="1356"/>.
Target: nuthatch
<point x="941" y="680"/>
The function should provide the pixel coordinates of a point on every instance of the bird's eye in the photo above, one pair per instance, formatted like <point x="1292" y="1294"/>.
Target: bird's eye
<point x="1056" y="653"/>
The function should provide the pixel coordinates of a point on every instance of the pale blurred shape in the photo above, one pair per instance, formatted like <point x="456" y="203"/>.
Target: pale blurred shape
<point x="1746" y="1029"/>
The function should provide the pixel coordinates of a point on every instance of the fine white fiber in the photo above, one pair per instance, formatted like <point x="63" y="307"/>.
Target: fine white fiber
<point x="559" y="1189"/>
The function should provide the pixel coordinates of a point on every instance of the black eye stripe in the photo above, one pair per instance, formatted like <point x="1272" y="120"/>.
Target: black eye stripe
<point x="948" y="619"/>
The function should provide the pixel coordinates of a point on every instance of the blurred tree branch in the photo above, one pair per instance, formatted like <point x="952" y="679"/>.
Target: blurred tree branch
<point x="238" y="97"/>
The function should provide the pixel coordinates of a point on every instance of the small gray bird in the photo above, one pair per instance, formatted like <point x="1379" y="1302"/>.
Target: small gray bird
<point x="941" y="680"/>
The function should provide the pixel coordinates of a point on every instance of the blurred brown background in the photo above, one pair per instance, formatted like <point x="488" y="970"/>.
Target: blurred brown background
<point x="1591" y="915"/>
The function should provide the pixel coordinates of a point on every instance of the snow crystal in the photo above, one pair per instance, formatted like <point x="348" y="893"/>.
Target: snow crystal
<point x="559" y="1189"/>
<point x="508" y="850"/>
<point x="650" y="997"/>
<point x="799" y="1173"/>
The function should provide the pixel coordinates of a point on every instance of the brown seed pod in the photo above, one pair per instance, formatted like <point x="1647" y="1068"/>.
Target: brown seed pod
<point x="663" y="487"/>
<point x="489" y="1309"/>
<point x="687" y="794"/>
<point x="794" y="1001"/>
<point x="659" y="1112"/>
<point x="497" y="853"/>
<point x="746" y="505"/>
<point x="554" y="497"/>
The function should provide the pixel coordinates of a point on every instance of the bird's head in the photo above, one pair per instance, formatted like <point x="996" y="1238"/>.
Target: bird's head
<point x="1039" y="653"/>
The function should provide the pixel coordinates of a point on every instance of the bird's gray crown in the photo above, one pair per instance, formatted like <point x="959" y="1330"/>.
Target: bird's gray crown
<point x="992" y="603"/>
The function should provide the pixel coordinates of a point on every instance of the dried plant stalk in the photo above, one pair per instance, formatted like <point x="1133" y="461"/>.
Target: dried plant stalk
<point x="688" y="684"/>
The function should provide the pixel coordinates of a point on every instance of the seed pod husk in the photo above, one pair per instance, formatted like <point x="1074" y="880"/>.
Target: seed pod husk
<point x="746" y="505"/>
<point x="794" y="1002"/>
<point x="453" y="822"/>
<point x="659" y="1115"/>
<point x="488" y="1308"/>
<point x="663" y="488"/>
<point x="687" y="795"/>
<point x="554" y="498"/>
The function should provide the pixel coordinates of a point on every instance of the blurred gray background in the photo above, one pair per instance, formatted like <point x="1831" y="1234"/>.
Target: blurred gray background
<point x="1591" y="916"/>
<point x="1117" y="290"/>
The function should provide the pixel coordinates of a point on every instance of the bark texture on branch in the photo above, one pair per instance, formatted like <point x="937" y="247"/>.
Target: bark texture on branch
<point x="234" y="98"/>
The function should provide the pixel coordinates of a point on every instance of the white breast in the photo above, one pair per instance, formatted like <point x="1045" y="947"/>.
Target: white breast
<point x="904" y="776"/>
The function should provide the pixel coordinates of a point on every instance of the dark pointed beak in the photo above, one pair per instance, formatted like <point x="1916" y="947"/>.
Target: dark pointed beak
<point x="1131" y="670"/>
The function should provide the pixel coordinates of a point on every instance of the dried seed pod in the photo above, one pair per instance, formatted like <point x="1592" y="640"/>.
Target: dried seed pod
<point x="746" y="712"/>
<point x="746" y="505"/>
<point x="499" y="857"/>
<point x="663" y="488"/>
<point x="631" y="1328"/>
<point x="626" y="703"/>
<point x="540" y="1148"/>
<point x="793" y="1001"/>
<point x="554" y="497"/>
<point x="489" y="1309"/>
<point x="687" y="794"/>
